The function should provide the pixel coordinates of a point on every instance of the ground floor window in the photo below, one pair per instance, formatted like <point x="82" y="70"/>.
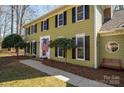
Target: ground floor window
<point x="60" y="52"/>
<point x="28" y="48"/>
<point x="34" y="48"/>
<point x="80" y="50"/>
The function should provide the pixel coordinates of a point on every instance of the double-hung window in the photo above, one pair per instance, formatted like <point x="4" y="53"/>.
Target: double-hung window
<point x="80" y="13"/>
<point x="34" y="47"/>
<point x="28" y="48"/>
<point x="45" y="25"/>
<point x="80" y="50"/>
<point x="61" y="19"/>
<point x="60" y="52"/>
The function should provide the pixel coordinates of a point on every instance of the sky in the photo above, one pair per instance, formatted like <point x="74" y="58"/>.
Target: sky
<point x="43" y="9"/>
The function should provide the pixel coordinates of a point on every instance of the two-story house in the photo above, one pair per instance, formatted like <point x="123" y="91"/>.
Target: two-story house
<point x="79" y="22"/>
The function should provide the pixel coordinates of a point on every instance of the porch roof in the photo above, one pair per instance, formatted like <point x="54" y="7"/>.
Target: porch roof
<point x="115" y="31"/>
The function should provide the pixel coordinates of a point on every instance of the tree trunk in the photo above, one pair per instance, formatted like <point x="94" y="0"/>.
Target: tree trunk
<point x="12" y="18"/>
<point x="17" y="51"/>
<point x="21" y="18"/>
<point x="17" y="19"/>
<point x="5" y="25"/>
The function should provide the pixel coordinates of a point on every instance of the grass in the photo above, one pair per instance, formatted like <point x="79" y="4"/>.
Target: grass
<point x="4" y="54"/>
<point x="15" y="74"/>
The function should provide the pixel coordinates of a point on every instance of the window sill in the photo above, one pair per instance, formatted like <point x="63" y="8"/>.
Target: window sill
<point x="79" y="20"/>
<point x="80" y="59"/>
<point x="60" y="57"/>
<point x="60" y="26"/>
<point x="44" y="30"/>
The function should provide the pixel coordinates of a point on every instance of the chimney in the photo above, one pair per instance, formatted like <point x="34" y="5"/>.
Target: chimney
<point x="107" y="14"/>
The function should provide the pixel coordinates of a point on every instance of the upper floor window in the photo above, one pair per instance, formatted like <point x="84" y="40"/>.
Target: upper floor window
<point x="32" y="29"/>
<point x="60" y="19"/>
<point x="35" y="28"/>
<point x="28" y="30"/>
<point x="45" y="25"/>
<point x="80" y="13"/>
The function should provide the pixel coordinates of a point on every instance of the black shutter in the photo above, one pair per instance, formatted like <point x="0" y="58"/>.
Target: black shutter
<point x="56" y="21"/>
<point x="73" y="15"/>
<point x="29" y="31"/>
<point x="65" y="18"/>
<point x="31" y="47"/>
<point x="35" y="44"/>
<point x="87" y="11"/>
<point x="26" y="30"/>
<point x="32" y="29"/>
<point x="41" y="26"/>
<point x="28" y="46"/>
<point x="35" y="28"/>
<point x="74" y="49"/>
<point x="47" y="24"/>
<point x="64" y="53"/>
<point x="87" y="47"/>
<point x="55" y="51"/>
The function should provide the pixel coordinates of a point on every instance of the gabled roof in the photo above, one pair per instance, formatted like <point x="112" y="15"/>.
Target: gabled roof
<point x="117" y="21"/>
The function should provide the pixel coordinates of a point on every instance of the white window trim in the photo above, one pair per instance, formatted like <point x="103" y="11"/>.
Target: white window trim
<point x="77" y="36"/>
<point x="43" y="25"/>
<point x="83" y="14"/>
<point x="62" y="21"/>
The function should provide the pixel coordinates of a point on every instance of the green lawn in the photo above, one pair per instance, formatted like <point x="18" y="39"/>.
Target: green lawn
<point x="15" y="74"/>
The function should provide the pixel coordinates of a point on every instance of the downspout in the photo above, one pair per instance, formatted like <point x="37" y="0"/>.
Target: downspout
<point x="95" y="40"/>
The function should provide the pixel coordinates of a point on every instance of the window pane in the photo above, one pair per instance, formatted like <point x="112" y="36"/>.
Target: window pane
<point x="61" y="52"/>
<point x="80" y="13"/>
<point x="60" y="19"/>
<point x="80" y="47"/>
<point x="80" y="53"/>
<point x="80" y="42"/>
<point x="45" y="25"/>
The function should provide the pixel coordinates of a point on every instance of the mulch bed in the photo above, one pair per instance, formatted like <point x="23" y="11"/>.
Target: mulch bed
<point x="108" y="76"/>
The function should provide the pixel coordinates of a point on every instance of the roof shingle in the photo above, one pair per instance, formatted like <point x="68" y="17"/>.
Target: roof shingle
<point x="116" y="21"/>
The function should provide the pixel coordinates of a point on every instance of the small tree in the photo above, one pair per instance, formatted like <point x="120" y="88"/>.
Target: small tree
<point x="13" y="41"/>
<point x="63" y="43"/>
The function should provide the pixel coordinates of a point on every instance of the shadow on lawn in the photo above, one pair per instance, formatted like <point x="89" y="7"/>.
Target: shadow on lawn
<point x="12" y="70"/>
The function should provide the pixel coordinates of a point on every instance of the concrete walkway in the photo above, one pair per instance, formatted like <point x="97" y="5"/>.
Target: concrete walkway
<point x="65" y="76"/>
